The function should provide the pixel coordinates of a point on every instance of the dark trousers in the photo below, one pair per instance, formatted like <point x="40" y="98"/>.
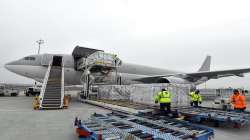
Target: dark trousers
<point x="194" y="103"/>
<point x="240" y="109"/>
<point x="163" y="107"/>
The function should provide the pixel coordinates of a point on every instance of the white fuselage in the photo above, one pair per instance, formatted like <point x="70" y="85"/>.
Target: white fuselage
<point x="36" y="66"/>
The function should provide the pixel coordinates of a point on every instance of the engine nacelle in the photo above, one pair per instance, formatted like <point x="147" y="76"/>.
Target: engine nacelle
<point x="172" y="79"/>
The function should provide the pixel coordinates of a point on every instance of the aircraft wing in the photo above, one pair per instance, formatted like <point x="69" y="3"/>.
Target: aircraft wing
<point x="220" y="73"/>
<point x="193" y="77"/>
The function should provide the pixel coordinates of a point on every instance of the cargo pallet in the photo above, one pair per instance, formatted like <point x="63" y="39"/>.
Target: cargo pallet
<point x="216" y="116"/>
<point x="122" y="126"/>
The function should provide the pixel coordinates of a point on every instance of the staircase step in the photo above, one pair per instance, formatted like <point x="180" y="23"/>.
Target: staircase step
<point x="49" y="99"/>
<point x="55" y="100"/>
<point x="51" y="104"/>
<point x="53" y="88"/>
<point x="52" y="91"/>
<point x="52" y="98"/>
<point x="55" y="81"/>
<point x="46" y="97"/>
<point x="51" y="107"/>
<point x="53" y="84"/>
<point x="44" y="101"/>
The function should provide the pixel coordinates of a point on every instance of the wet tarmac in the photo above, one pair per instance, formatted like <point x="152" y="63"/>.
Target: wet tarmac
<point x="19" y="121"/>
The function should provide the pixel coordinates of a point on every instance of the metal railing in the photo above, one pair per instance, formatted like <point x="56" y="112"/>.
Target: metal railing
<point x="45" y="81"/>
<point x="62" y="85"/>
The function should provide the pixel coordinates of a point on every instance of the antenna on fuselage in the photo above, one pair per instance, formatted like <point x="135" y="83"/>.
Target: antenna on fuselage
<point x="39" y="42"/>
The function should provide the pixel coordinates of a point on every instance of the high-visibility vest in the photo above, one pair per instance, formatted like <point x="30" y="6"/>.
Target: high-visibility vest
<point x="191" y="94"/>
<point x="196" y="98"/>
<point x="163" y="97"/>
<point x="238" y="101"/>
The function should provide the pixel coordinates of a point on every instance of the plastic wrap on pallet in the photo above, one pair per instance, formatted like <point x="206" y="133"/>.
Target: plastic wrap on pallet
<point x="144" y="93"/>
<point x="114" y="92"/>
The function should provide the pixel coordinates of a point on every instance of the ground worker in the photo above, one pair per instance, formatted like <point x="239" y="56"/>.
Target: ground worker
<point x="237" y="101"/>
<point x="196" y="98"/>
<point x="164" y="98"/>
<point x="191" y="94"/>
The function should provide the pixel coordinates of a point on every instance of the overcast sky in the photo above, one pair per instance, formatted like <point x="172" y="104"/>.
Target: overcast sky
<point x="168" y="34"/>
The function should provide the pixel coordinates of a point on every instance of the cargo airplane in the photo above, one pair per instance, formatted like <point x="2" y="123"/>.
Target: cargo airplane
<point x="35" y="67"/>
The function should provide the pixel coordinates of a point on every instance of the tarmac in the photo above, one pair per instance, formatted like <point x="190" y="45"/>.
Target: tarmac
<point x="19" y="121"/>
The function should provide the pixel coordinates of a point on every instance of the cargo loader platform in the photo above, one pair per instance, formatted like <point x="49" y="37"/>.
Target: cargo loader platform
<point x="122" y="126"/>
<point x="196" y="115"/>
<point x="218" y="117"/>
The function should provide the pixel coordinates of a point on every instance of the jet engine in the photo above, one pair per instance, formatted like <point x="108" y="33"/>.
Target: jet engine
<point x="172" y="79"/>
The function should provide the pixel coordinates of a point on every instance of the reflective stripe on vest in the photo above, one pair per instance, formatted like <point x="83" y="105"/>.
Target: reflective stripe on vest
<point x="196" y="97"/>
<point x="164" y="97"/>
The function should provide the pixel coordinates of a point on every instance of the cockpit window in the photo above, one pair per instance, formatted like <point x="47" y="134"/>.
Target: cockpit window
<point x="30" y="58"/>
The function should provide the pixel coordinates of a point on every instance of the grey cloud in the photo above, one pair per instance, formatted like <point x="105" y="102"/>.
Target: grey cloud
<point x="138" y="32"/>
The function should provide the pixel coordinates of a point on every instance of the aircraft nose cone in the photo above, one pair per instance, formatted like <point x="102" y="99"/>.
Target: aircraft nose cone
<point x="9" y="66"/>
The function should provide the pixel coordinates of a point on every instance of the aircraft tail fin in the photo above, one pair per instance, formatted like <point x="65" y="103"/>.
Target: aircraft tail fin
<point x="206" y="64"/>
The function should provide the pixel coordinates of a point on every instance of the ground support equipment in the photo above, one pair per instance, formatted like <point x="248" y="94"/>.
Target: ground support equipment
<point x="121" y="126"/>
<point x="218" y="117"/>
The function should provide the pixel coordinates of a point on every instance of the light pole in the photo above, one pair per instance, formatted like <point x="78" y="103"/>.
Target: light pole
<point x="39" y="42"/>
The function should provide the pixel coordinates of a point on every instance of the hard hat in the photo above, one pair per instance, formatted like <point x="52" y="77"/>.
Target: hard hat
<point x="197" y="91"/>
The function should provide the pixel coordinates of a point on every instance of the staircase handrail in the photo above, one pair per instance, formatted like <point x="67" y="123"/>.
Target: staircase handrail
<point x="62" y="85"/>
<point x="45" y="81"/>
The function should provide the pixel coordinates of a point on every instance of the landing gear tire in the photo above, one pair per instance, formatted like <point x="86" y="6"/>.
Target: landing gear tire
<point x="27" y="94"/>
<point x="82" y="96"/>
<point x="13" y="94"/>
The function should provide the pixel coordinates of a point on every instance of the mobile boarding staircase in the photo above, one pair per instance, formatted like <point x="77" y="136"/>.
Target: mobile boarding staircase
<point x="52" y="92"/>
<point x="95" y="64"/>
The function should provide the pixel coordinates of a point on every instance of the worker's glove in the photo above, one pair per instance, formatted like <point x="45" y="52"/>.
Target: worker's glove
<point x="200" y="102"/>
<point x="156" y="102"/>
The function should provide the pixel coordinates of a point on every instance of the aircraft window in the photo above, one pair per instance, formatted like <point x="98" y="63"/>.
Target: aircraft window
<point x="30" y="58"/>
